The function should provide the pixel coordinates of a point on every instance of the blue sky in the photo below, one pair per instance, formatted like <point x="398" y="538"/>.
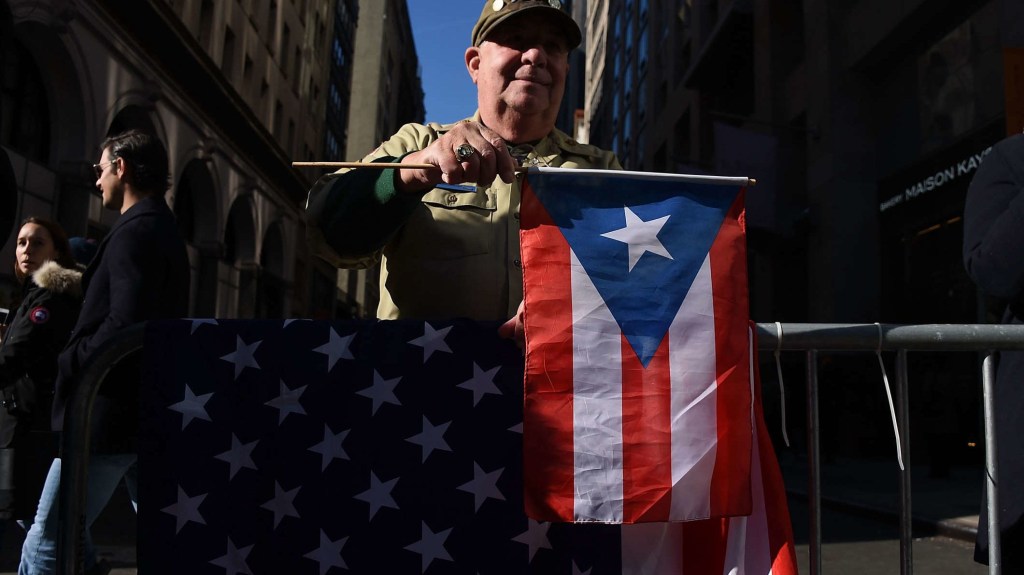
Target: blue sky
<point x="441" y="32"/>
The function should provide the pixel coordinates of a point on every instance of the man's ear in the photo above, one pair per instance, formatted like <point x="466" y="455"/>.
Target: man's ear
<point x="473" y="62"/>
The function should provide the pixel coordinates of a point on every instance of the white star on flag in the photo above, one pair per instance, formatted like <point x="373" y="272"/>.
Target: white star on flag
<point x="329" y="553"/>
<point x="382" y="391"/>
<point x="191" y="407"/>
<point x="481" y="383"/>
<point x="282" y="504"/>
<point x="576" y="570"/>
<point x="432" y="340"/>
<point x="431" y="438"/>
<point x="233" y="561"/>
<point x="186" y="509"/>
<point x="198" y="323"/>
<point x="239" y="456"/>
<point x="337" y="347"/>
<point x="243" y="356"/>
<point x="535" y="537"/>
<point x="641" y="236"/>
<point x="483" y="485"/>
<point x="331" y="447"/>
<point x="431" y="546"/>
<point x="378" y="495"/>
<point x="287" y="402"/>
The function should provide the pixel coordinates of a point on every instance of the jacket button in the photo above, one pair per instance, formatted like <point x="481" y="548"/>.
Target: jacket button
<point x="517" y="263"/>
<point x="452" y="198"/>
<point x="515" y="215"/>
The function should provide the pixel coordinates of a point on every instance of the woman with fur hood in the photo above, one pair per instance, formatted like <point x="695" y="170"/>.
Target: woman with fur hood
<point x="51" y="299"/>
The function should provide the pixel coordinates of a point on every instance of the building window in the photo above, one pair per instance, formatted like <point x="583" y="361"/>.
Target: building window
<point x="278" y="112"/>
<point x="282" y="50"/>
<point x="23" y="102"/>
<point x="946" y="87"/>
<point x="271" y="18"/>
<point x="206" y="24"/>
<point x="247" y="73"/>
<point x="227" y="56"/>
<point x="641" y="50"/>
<point x="641" y="98"/>
<point x="339" y="55"/>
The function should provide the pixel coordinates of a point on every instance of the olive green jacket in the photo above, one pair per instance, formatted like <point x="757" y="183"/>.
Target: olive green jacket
<point x="444" y="254"/>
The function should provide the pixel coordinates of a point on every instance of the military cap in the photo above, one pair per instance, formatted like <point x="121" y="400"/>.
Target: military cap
<point x="497" y="11"/>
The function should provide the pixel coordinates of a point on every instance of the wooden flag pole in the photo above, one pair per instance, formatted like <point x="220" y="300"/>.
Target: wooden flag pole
<point x="372" y="166"/>
<point x="390" y="166"/>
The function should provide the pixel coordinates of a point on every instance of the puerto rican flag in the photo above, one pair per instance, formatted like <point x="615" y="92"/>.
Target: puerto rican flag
<point x="638" y="393"/>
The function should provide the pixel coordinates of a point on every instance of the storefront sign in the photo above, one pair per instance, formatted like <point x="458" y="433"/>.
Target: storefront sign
<point x="945" y="175"/>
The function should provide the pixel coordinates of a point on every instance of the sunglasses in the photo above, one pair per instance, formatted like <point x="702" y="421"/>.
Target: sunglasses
<point x="98" y="168"/>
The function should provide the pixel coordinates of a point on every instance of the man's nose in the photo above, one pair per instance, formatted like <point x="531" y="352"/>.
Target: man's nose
<point x="535" y="55"/>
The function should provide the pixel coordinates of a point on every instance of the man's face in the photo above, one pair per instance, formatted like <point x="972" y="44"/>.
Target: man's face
<point x="522" y="65"/>
<point x="108" y="182"/>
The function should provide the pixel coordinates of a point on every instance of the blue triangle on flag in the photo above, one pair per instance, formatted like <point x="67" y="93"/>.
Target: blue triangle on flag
<point x="643" y="300"/>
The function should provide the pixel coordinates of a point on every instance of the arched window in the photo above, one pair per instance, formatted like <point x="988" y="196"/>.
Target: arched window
<point x="270" y="301"/>
<point x="25" y="125"/>
<point x="132" y="118"/>
<point x="195" y="209"/>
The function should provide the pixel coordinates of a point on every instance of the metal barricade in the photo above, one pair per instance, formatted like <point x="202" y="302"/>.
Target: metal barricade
<point x="813" y="338"/>
<point x="808" y="337"/>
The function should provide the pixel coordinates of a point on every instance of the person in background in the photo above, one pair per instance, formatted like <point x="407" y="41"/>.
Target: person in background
<point x="140" y="272"/>
<point x="447" y="249"/>
<point x="51" y="297"/>
<point x="994" y="258"/>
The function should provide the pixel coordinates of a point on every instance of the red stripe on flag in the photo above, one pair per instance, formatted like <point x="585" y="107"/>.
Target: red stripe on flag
<point x="646" y="435"/>
<point x="731" y="489"/>
<point x="780" y="527"/>
<point x="548" y="405"/>
<point x="704" y="545"/>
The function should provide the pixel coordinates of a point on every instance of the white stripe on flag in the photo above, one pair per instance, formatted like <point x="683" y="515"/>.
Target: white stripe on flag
<point x="652" y="548"/>
<point x="748" y="551"/>
<point x="694" y="400"/>
<point x="597" y="403"/>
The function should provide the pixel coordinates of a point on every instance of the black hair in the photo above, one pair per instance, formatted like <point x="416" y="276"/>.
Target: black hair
<point x="145" y="155"/>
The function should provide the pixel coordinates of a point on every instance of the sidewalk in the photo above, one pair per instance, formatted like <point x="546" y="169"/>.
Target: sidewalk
<point x="940" y="506"/>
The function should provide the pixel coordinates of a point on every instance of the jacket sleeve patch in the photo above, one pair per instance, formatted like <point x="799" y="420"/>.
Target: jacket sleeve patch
<point x="39" y="315"/>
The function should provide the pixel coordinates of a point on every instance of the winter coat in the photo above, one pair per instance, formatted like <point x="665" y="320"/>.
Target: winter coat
<point x="994" y="258"/>
<point x="140" y="272"/>
<point x="51" y="300"/>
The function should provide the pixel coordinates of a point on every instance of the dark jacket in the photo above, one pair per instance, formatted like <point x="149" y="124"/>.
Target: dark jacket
<point x="49" y="307"/>
<point x="994" y="257"/>
<point x="140" y="272"/>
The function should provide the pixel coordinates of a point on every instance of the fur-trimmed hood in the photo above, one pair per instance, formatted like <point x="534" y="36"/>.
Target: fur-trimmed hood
<point x="55" y="278"/>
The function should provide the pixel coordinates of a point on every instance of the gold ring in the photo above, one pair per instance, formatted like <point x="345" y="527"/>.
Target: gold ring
<point x="464" y="152"/>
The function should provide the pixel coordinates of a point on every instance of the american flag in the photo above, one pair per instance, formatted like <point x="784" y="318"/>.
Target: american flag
<point x="359" y="447"/>
<point x="379" y="447"/>
<point x="638" y="385"/>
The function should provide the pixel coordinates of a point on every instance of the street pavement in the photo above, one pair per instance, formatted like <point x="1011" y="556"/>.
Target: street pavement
<point x="860" y="528"/>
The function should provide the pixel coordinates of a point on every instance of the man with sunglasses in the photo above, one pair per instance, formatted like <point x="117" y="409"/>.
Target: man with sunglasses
<point x="448" y="249"/>
<point x="140" y="272"/>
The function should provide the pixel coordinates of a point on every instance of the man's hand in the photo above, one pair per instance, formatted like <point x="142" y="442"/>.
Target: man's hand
<point x="491" y="159"/>
<point x="514" y="328"/>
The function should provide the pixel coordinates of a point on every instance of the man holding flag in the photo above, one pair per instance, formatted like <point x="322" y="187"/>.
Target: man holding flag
<point x="448" y="249"/>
